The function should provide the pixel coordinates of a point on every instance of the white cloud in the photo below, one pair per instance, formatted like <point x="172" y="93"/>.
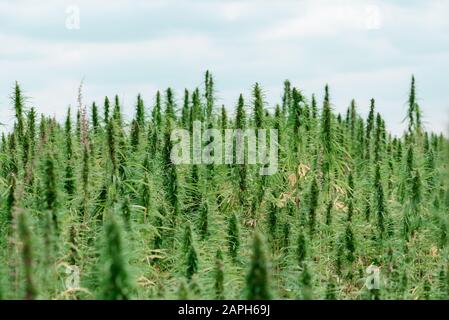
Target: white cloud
<point x="234" y="10"/>
<point x="71" y="54"/>
<point x="325" y="18"/>
<point x="316" y="19"/>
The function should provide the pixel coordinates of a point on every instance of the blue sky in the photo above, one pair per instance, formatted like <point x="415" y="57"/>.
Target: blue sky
<point x="362" y="49"/>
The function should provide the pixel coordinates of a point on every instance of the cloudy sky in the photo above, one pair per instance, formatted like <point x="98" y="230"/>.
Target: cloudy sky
<point x="362" y="49"/>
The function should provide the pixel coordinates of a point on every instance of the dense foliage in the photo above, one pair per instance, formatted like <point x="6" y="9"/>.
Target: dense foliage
<point x="99" y="200"/>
